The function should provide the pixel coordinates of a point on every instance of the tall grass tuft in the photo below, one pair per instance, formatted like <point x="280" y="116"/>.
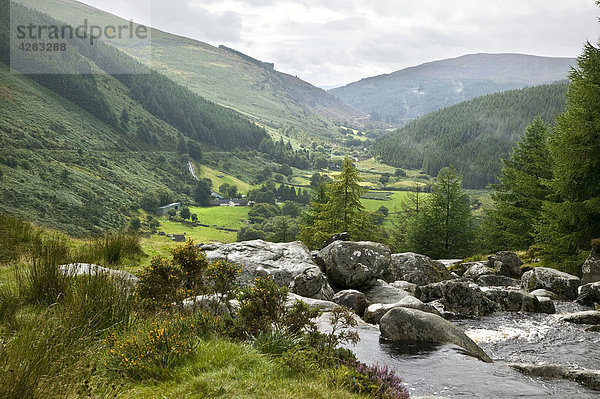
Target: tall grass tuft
<point x="97" y="303"/>
<point x="42" y="361"/>
<point x="10" y="302"/>
<point x="42" y="281"/>
<point x="111" y="250"/>
<point x="17" y="236"/>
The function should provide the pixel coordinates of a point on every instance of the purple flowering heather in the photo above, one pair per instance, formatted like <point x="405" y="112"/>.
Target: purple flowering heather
<point x="380" y="382"/>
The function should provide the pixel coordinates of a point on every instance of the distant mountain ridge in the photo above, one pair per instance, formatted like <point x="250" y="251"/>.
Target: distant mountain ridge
<point x="406" y="94"/>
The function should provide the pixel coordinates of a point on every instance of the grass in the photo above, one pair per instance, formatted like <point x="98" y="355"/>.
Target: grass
<point x="231" y="370"/>
<point x="72" y="347"/>
<point x="204" y="171"/>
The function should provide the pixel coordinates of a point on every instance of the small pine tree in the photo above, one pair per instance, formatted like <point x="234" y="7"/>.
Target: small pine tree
<point x="337" y="209"/>
<point x="444" y="226"/>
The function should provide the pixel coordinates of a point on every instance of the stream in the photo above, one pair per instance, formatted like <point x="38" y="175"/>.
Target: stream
<point x="445" y="370"/>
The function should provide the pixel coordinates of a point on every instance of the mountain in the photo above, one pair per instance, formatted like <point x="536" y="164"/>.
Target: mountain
<point x="472" y="136"/>
<point x="228" y="77"/>
<point x="406" y="94"/>
<point x="78" y="151"/>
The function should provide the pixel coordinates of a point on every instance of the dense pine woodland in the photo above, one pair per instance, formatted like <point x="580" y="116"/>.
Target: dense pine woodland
<point x="471" y="136"/>
<point x="549" y="191"/>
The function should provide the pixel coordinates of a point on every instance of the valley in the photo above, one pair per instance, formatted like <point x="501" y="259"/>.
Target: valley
<point x="183" y="219"/>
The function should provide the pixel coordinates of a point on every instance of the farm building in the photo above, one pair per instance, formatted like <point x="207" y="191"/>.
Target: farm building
<point x="162" y="210"/>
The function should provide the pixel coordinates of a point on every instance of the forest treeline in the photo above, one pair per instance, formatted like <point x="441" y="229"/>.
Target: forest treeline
<point x="472" y="136"/>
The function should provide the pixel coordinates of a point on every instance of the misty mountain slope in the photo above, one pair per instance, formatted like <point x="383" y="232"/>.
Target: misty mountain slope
<point x="473" y="136"/>
<point x="228" y="78"/>
<point x="406" y="94"/>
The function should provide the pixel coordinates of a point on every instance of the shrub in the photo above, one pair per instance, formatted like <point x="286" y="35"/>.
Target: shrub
<point x="160" y="284"/>
<point x="221" y="276"/>
<point x="153" y="352"/>
<point x="262" y="307"/>
<point x="193" y="264"/>
<point x="377" y="382"/>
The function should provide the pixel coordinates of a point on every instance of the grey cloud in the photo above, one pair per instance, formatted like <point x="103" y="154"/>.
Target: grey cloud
<point x="191" y="19"/>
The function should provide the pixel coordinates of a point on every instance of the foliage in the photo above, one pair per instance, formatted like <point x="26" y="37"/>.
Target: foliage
<point x="262" y="307"/>
<point x="472" y="135"/>
<point x="518" y="197"/>
<point x="571" y="219"/>
<point x="336" y="208"/>
<point x="185" y="213"/>
<point x="154" y="352"/>
<point x="377" y="382"/>
<point x="203" y="191"/>
<point x="160" y="284"/>
<point x="42" y="281"/>
<point x="221" y="278"/>
<point x="444" y="226"/>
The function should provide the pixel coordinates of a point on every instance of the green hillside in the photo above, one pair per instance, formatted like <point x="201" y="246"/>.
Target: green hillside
<point x="254" y="88"/>
<point x="473" y="136"/>
<point x="79" y="151"/>
<point x="409" y="93"/>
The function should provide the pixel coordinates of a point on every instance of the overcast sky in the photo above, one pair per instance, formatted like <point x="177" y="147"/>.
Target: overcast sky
<point x="334" y="42"/>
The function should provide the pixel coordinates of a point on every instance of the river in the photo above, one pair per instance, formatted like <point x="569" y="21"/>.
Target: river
<point x="447" y="371"/>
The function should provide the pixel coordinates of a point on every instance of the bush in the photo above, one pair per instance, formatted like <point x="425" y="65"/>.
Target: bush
<point x="262" y="307"/>
<point x="152" y="353"/>
<point x="193" y="264"/>
<point x="221" y="276"/>
<point x="263" y="311"/>
<point x="377" y="382"/>
<point x="160" y="284"/>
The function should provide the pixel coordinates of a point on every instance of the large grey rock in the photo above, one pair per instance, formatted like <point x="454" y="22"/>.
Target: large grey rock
<point x="506" y="264"/>
<point x="546" y="305"/>
<point x="540" y="292"/>
<point x="352" y="299"/>
<point x="478" y="269"/>
<point x="325" y="306"/>
<point x="375" y="312"/>
<point x="416" y="269"/>
<point x="383" y="292"/>
<point x="494" y="280"/>
<point x="354" y="264"/>
<point x="80" y="269"/>
<point x="402" y="324"/>
<point x="561" y="283"/>
<point x="589" y="294"/>
<point x="411" y="288"/>
<point x="591" y="268"/>
<point x="585" y="317"/>
<point x="462" y="298"/>
<point x="283" y="261"/>
<point x="312" y="283"/>
<point x="462" y="268"/>
<point x="513" y="300"/>
<point x="589" y="378"/>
